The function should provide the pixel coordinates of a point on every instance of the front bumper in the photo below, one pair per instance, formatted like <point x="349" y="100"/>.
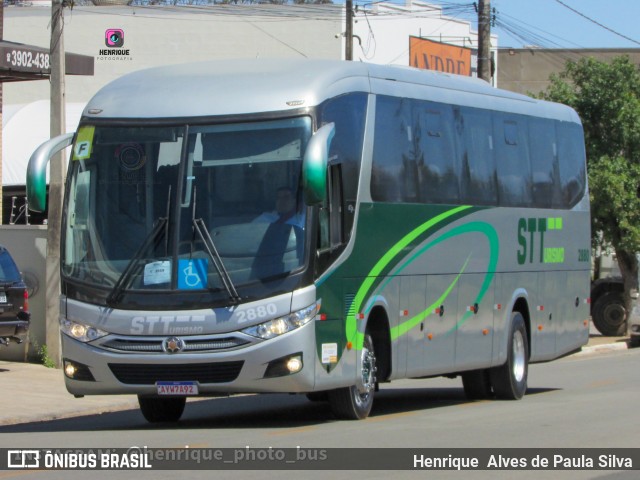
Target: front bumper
<point x="239" y="370"/>
<point x="14" y="330"/>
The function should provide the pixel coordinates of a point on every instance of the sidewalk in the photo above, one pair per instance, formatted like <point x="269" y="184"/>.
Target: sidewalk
<point x="34" y="393"/>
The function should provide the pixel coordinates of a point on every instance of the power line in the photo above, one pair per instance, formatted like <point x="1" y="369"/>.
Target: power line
<point x="528" y="33"/>
<point x="596" y="22"/>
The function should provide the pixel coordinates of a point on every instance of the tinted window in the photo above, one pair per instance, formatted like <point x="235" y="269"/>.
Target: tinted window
<point x="396" y="152"/>
<point x="478" y="174"/>
<point x="348" y="113"/>
<point x="545" y="174"/>
<point x="438" y="171"/>
<point x="571" y="157"/>
<point x="414" y="152"/>
<point x="512" y="160"/>
<point x="435" y="153"/>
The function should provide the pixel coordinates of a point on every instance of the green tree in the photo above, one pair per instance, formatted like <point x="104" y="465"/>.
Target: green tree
<point x="607" y="98"/>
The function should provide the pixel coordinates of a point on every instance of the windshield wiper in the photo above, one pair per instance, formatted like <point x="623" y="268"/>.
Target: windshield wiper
<point x="201" y="229"/>
<point x="163" y="222"/>
<point x="116" y="293"/>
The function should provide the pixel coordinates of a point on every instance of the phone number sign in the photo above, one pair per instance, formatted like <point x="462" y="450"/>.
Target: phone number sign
<point x="24" y="59"/>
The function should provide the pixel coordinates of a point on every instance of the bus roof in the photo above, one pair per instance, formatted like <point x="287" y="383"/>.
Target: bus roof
<point x="237" y="87"/>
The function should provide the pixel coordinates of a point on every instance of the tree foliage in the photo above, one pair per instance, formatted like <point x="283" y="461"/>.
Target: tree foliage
<point x="607" y="98"/>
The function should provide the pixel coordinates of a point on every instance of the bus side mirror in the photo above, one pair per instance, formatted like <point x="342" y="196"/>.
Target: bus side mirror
<point x="37" y="170"/>
<point x="314" y="165"/>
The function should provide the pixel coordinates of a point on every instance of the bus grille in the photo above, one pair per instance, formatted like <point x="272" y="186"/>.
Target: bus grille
<point x="202" y="345"/>
<point x="149" y="374"/>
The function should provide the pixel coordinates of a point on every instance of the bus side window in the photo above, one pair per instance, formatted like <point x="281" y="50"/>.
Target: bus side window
<point x="478" y="176"/>
<point x="395" y="152"/>
<point x="331" y="229"/>
<point x="348" y="113"/>
<point x="545" y="175"/>
<point x="336" y="229"/>
<point x="512" y="160"/>
<point x="571" y="157"/>
<point x="439" y="170"/>
<point x="331" y="232"/>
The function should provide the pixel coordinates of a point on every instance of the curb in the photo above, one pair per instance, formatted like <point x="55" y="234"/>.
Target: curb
<point x="604" y="348"/>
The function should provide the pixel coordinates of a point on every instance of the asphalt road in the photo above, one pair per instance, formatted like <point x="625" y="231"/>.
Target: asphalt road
<point x="578" y="402"/>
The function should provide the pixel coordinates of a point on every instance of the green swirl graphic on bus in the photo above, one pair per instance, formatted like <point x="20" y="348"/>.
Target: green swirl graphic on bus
<point x="363" y="296"/>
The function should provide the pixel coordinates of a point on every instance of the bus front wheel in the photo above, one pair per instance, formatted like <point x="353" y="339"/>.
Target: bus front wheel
<point x="157" y="409"/>
<point x="509" y="381"/>
<point x="354" y="403"/>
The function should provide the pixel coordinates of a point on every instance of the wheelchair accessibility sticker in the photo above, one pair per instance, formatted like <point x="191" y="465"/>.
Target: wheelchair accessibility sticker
<point x="192" y="274"/>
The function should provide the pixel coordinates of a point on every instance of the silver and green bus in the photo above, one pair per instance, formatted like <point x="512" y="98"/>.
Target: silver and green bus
<point x="316" y="227"/>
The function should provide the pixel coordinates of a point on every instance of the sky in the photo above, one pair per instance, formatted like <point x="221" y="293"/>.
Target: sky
<point x="550" y="24"/>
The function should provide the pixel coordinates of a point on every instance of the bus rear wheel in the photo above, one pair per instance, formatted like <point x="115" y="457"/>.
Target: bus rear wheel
<point x="354" y="403"/>
<point x="156" y="409"/>
<point x="509" y="381"/>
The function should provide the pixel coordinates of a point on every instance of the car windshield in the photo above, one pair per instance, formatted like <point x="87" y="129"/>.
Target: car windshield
<point x="207" y="207"/>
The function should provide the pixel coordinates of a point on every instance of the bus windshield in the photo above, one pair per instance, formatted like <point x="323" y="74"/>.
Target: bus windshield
<point x="205" y="207"/>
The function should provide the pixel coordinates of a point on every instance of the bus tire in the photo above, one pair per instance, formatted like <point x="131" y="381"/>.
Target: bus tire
<point x="509" y="381"/>
<point x="610" y="315"/>
<point x="157" y="409"/>
<point x="349" y="403"/>
<point x="477" y="384"/>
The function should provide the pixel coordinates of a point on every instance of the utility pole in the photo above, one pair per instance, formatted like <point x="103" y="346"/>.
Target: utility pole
<point x="57" y="173"/>
<point x="484" y="40"/>
<point x="348" y="45"/>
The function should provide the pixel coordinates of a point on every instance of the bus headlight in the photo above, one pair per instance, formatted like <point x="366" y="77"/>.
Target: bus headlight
<point x="79" y="331"/>
<point x="278" y="326"/>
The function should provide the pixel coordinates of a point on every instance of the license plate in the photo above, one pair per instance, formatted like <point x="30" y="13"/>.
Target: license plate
<point x="177" y="388"/>
<point x="3" y="298"/>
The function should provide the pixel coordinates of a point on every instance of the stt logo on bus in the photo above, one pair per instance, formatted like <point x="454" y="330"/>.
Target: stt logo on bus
<point x="114" y="37"/>
<point x="531" y="238"/>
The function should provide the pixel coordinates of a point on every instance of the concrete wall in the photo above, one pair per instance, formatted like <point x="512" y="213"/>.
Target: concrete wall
<point x="28" y="247"/>
<point x="528" y="70"/>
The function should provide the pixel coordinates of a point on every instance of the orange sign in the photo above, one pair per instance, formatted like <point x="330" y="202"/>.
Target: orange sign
<point x="430" y="55"/>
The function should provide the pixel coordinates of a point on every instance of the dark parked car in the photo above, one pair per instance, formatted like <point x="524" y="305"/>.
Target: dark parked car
<point x="14" y="306"/>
